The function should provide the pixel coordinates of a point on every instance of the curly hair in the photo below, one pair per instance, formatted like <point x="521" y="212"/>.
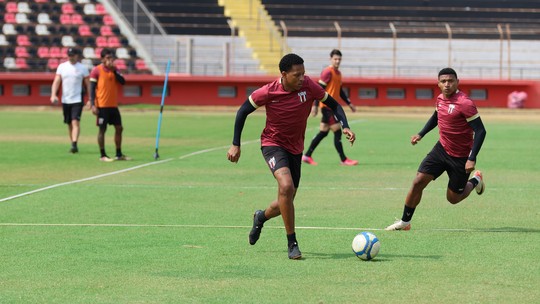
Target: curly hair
<point x="286" y="63"/>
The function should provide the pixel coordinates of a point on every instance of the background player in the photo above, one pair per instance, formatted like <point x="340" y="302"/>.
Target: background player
<point x="331" y="81"/>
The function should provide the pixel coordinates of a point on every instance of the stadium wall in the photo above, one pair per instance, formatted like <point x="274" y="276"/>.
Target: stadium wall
<point x="34" y="89"/>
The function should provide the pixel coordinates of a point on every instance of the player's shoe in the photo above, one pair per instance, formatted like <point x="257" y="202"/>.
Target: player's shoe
<point x="294" y="252"/>
<point x="349" y="162"/>
<point x="399" y="225"/>
<point x="73" y="150"/>
<point x="122" y="157"/>
<point x="481" y="186"/>
<point x="255" y="232"/>
<point x="106" y="159"/>
<point x="308" y="160"/>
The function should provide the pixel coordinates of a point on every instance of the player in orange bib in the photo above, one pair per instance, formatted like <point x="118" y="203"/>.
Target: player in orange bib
<point x="331" y="81"/>
<point x="104" y="80"/>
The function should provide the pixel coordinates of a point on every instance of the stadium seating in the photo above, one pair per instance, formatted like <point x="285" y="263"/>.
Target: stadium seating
<point x="36" y="34"/>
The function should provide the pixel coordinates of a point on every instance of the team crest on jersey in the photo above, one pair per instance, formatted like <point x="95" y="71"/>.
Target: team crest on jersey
<point x="272" y="163"/>
<point x="451" y="108"/>
<point x="303" y="96"/>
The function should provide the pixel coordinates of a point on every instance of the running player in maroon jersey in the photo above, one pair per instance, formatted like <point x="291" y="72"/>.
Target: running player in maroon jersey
<point x="331" y="81"/>
<point x="288" y="102"/>
<point x="461" y="134"/>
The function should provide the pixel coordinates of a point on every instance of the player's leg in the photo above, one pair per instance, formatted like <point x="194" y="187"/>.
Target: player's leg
<point x="75" y="126"/>
<point x="459" y="184"/>
<point x="324" y="129"/>
<point x="102" y="120"/>
<point x="431" y="167"/>
<point x="116" y="119"/>
<point x="336" y="128"/>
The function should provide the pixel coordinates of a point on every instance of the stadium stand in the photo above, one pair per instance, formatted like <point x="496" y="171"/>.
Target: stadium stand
<point x="36" y="34"/>
<point x="469" y="19"/>
<point x="190" y="17"/>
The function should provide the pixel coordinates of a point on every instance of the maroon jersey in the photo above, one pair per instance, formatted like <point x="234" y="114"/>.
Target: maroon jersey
<point x="456" y="136"/>
<point x="286" y="113"/>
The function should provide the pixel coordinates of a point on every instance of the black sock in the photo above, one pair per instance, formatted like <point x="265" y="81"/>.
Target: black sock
<point x="102" y="151"/>
<point x="261" y="218"/>
<point x="339" y="145"/>
<point x="74" y="144"/>
<point x="407" y="214"/>
<point x="315" y="142"/>
<point x="118" y="152"/>
<point x="473" y="181"/>
<point x="291" y="239"/>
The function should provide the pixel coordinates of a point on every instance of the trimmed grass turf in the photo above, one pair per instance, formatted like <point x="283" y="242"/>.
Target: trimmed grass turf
<point x="186" y="220"/>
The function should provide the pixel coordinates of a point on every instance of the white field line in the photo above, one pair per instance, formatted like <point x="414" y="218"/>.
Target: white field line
<point x="124" y="170"/>
<point x="242" y="227"/>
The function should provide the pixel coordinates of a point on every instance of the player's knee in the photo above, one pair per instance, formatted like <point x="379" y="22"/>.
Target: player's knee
<point x="323" y="134"/>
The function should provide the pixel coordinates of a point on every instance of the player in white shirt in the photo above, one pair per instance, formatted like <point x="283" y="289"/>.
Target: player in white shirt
<point x="72" y="75"/>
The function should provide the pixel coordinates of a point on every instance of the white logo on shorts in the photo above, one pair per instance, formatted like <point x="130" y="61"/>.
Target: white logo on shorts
<point x="100" y="121"/>
<point x="272" y="163"/>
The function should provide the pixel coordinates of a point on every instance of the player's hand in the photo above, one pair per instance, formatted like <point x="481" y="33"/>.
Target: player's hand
<point x="54" y="100"/>
<point x="233" y="155"/>
<point x="351" y="137"/>
<point x="353" y="107"/>
<point x="415" y="139"/>
<point x="314" y="110"/>
<point x="469" y="166"/>
<point x="88" y="105"/>
<point x="95" y="110"/>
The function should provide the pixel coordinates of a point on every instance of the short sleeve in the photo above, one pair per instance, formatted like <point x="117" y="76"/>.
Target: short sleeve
<point x="326" y="76"/>
<point x="94" y="75"/>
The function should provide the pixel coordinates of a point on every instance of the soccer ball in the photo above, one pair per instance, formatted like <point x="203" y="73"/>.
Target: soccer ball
<point x="366" y="246"/>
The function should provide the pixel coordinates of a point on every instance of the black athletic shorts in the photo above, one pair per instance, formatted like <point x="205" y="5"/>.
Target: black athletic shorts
<point x="109" y="116"/>
<point x="72" y="111"/>
<point x="328" y="116"/>
<point x="277" y="157"/>
<point x="437" y="161"/>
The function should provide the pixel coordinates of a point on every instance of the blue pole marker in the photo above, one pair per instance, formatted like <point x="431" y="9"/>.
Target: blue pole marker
<point x="156" y="155"/>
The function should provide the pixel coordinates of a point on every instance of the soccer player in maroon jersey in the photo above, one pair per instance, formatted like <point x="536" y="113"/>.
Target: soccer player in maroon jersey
<point x="288" y="102"/>
<point x="461" y="134"/>
<point x="331" y="81"/>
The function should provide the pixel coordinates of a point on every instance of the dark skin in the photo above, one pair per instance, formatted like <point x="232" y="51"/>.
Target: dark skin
<point x="292" y="81"/>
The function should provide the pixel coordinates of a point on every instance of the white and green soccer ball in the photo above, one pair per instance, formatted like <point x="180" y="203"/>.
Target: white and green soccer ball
<point x="366" y="245"/>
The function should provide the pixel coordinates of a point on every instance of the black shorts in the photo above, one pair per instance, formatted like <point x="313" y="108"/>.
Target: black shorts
<point x="109" y="116"/>
<point x="437" y="161"/>
<point x="72" y="111"/>
<point x="277" y="157"/>
<point x="328" y="117"/>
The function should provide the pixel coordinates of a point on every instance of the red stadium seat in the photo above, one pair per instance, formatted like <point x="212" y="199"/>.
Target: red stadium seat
<point x="22" y="51"/>
<point x="101" y="42"/>
<point x="120" y="64"/>
<point x="53" y="63"/>
<point x="106" y="30"/>
<point x="21" y="63"/>
<point x="98" y="52"/>
<point x="140" y="65"/>
<point x="55" y="52"/>
<point x="65" y="19"/>
<point x="84" y="30"/>
<point x="43" y="52"/>
<point x="108" y="20"/>
<point x="113" y="42"/>
<point x="23" y="40"/>
<point x="100" y="9"/>
<point x="10" y="18"/>
<point x="77" y="19"/>
<point x="11" y="7"/>
<point x="67" y="8"/>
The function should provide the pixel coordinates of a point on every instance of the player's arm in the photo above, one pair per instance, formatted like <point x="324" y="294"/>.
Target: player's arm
<point x="344" y="96"/>
<point x="342" y="118"/>
<point x="479" y="135"/>
<point x="119" y="77"/>
<point x="86" y="83"/>
<point x="54" y="89"/>
<point x="430" y="125"/>
<point x="247" y="108"/>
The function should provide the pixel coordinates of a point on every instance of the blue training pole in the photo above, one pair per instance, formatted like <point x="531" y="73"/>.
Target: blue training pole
<point x="156" y="155"/>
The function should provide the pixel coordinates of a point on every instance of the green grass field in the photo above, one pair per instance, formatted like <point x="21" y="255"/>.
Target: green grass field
<point x="175" y="230"/>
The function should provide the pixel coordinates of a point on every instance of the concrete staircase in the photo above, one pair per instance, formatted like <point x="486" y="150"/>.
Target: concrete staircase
<point x="258" y="29"/>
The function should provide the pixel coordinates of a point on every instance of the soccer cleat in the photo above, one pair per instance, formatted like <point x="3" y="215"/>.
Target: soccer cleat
<point x="294" y="251"/>
<point x="122" y="157"/>
<point x="399" y="225"/>
<point x="308" y="160"/>
<point x="255" y="232"/>
<point x="481" y="186"/>
<point x="349" y="162"/>
<point x="106" y="159"/>
<point x="73" y="150"/>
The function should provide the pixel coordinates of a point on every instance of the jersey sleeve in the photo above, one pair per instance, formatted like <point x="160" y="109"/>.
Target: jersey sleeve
<point x="94" y="75"/>
<point x="259" y="97"/>
<point x="470" y="112"/>
<point x="318" y="92"/>
<point x="326" y="76"/>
